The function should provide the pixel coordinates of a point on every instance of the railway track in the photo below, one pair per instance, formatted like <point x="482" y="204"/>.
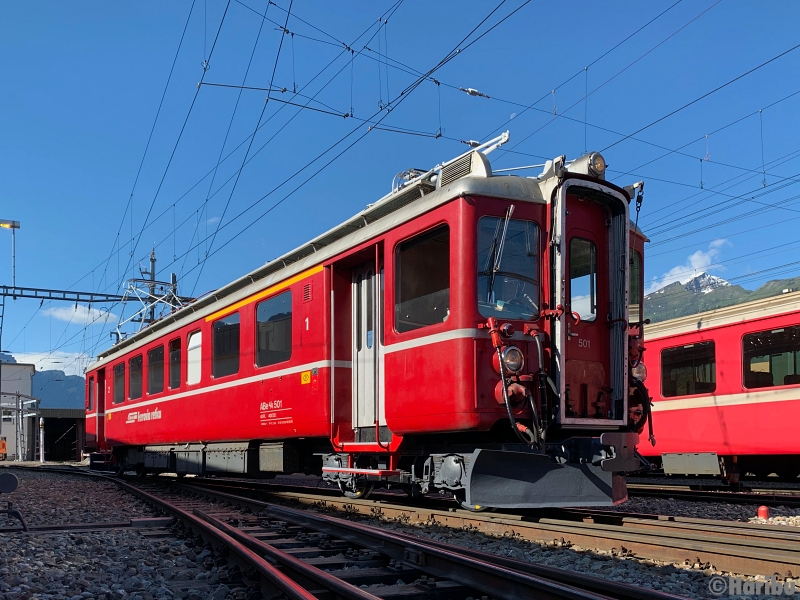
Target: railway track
<point x="745" y="548"/>
<point x="305" y="555"/>
<point x="754" y="495"/>
<point x="303" y="543"/>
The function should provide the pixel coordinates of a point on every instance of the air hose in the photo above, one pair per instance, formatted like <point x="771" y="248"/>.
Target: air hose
<point x="647" y="415"/>
<point x="543" y="379"/>
<point x="523" y="433"/>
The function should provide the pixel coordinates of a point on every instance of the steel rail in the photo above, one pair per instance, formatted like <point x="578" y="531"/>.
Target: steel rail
<point x="713" y="542"/>
<point x="492" y="579"/>
<point x="289" y="562"/>
<point x="750" y="549"/>
<point x="271" y="573"/>
<point x="686" y="493"/>
<point x="441" y="560"/>
<point x="619" y="590"/>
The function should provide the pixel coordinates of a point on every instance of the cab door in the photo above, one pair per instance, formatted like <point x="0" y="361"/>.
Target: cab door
<point x="100" y="400"/>
<point x="587" y="340"/>
<point x="368" y="409"/>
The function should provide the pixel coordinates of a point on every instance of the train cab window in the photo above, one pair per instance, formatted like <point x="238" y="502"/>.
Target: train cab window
<point x="772" y="357"/>
<point x="583" y="278"/>
<point x="508" y="268"/>
<point x="175" y="364"/>
<point x="423" y="280"/>
<point x="90" y="405"/>
<point x="274" y="330"/>
<point x="194" y="345"/>
<point x="119" y="383"/>
<point x="226" y="346"/>
<point x="635" y="287"/>
<point x="688" y="370"/>
<point x="155" y="370"/>
<point x="135" y="378"/>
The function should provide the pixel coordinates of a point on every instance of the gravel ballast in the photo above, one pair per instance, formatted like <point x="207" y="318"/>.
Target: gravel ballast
<point x="126" y="563"/>
<point x="107" y="564"/>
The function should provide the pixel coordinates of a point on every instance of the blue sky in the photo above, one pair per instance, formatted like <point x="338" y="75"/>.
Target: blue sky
<point x="83" y="83"/>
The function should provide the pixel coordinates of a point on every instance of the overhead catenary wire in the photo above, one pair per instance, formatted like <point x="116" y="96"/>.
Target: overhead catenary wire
<point x="404" y="94"/>
<point x="250" y="145"/>
<point x="394" y="102"/>
<point x="180" y="136"/>
<point x="412" y="71"/>
<point x="732" y="123"/>
<point x="128" y="206"/>
<point x="228" y="130"/>
<point x="594" y="62"/>
<point x="610" y="79"/>
<point x="706" y="95"/>
<point x="191" y="215"/>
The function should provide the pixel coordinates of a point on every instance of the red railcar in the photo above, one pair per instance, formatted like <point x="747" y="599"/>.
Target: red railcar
<point x="375" y="352"/>
<point x="727" y="396"/>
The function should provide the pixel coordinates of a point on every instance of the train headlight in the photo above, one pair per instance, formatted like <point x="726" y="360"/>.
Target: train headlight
<point x="513" y="359"/>
<point x="597" y="164"/>
<point x="639" y="372"/>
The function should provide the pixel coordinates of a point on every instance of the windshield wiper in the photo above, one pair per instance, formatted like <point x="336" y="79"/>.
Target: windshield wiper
<point x="498" y="251"/>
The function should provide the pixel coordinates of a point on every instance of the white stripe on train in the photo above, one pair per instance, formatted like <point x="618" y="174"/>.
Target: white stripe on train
<point x="760" y="397"/>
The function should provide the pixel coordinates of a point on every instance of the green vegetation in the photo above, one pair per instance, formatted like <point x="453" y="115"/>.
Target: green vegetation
<point x="675" y="300"/>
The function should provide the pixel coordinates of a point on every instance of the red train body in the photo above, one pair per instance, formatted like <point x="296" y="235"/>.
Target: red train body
<point x="375" y="352"/>
<point x="727" y="396"/>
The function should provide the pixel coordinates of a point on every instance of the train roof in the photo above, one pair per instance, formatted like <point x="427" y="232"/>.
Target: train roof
<point x="469" y="174"/>
<point x="729" y="315"/>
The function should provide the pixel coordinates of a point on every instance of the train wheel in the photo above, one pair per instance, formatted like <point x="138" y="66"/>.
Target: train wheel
<point x="140" y="471"/>
<point x="360" y="491"/>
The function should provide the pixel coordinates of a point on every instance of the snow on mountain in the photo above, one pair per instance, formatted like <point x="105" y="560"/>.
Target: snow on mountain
<point x="704" y="283"/>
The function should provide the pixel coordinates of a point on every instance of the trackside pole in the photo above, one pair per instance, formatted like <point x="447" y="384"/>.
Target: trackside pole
<point x="41" y="440"/>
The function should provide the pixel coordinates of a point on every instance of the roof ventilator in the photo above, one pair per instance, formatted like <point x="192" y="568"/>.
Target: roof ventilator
<point x="473" y="162"/>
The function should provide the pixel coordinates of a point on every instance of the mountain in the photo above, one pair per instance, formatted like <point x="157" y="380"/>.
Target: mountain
<point x="58" y="390"/>
<point x="55" y="389"/>
<point x="706" y="292"/>
<point x="704" y="283"/>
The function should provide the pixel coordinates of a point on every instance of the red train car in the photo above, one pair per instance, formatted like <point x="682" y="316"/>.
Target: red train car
<point x="728" y="393"/>
<point x="468" y="332"/>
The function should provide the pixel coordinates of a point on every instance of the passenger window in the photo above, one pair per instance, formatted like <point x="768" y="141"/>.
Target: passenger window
<point x="175" y="364"/>
<point x="135" y="378"/>
<point x="772" y="357"/>
<point x="423" y="280"/>
<point x="226" y="346"/>
<point x="635" y="287"/>
<point x="688" y="370"/>
<point x="194" y="345"/>
<point x="583" y="278"/>
<point x="155" y="370"/>
<point x="274" y="330"/>
<point x="119" y="383"/>
<point x="91" y="394"/>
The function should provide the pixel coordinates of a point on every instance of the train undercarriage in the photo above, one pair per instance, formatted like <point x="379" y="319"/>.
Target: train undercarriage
<point x="577" y="471"/>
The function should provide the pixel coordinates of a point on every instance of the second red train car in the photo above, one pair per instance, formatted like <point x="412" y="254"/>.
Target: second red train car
<point x="726" y="389"/>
